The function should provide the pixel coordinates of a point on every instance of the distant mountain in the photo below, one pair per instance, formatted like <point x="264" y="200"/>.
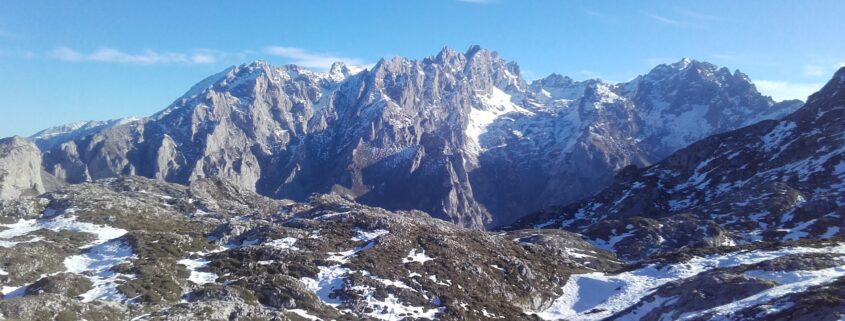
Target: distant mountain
<point x="772" y="181"/>
<point x="581" y="133"/>
<point x="51" y="137"/>
<point x="458" y="135"/>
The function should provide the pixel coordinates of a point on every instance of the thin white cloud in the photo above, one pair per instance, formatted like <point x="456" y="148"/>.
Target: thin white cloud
<point x="147" y="57"/>
<point x="598" y="15"/>
<point x="696" y="15"/>
<point x="782" y="90"/>
<point x="663" y="19"/>
<point x="308" y="59"/>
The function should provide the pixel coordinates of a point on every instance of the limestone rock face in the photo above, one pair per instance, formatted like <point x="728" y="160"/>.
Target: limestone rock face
<point x="20" y="168"/>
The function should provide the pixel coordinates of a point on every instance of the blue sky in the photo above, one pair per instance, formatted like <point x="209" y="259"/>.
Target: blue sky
<point x="64" y="61"/>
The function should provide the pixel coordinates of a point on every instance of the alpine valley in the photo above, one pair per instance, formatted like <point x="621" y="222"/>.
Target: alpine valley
<point x="446" y="188"/>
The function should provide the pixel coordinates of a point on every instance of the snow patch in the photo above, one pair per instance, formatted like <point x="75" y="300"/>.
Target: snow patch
<point x="608" y="293"/>
<point x="361" y="235"/>
<point x="494" y="105"/>
<point x="791" y="282"/>
<point x="413" y="256"/>
<point x="96" y="263"/>
<point x="329" y="279"/>
<point x="284" y="243"/>
<point x="197" y="276"/>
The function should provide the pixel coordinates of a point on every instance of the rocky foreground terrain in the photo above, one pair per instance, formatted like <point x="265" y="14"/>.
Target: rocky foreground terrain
<point x="134" y="248"/>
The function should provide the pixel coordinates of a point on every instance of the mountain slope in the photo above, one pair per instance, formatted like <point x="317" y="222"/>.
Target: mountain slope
<point x="136" y="248"/>
<point x="774" y="180"/>
<point x="587" y="131"/>
<point x="474" y="142"/>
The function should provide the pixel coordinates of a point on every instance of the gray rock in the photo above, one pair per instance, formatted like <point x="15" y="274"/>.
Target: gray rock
<point x="20" y="169"/>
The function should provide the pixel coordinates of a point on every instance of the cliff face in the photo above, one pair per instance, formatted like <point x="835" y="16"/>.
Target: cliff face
<point x="20" y="168"/>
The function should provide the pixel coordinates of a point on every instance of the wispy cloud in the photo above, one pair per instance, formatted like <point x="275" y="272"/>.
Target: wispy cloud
<point x="146" y="57"/>
<point x="598" y="15"/>
<point x="681" y="18"/>
<point x="695" y="14"/>
<point x="663" y="19"/>
<point x="821" y="70"/>
<point x="309" y="59"/>
<point x="781" y="90"/>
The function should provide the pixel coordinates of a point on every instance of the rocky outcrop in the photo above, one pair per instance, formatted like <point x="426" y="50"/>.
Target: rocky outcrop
<point x="137" y="248"/>
<point x="20" y="169"/>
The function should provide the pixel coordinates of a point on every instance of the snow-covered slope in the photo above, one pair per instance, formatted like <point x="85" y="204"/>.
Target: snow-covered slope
<point x="581" y="133"/>
<point x="717" y="286"/>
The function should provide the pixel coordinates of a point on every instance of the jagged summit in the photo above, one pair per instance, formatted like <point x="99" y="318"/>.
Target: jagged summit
<point x="833" y="91"/>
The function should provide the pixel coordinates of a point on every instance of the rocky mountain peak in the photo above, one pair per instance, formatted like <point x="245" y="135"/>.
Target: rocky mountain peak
<point x="554" y="80"/>
<point x="688" y="70"/>
<point x="340" y="70"/>
<point x="448" y="56"/>
<point x="684" y="63"/>
<point x="833" y="92"/>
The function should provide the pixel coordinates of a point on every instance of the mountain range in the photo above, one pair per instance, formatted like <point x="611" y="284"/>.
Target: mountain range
<point x="476" y="143"/>
<point x="772" y="181"/>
